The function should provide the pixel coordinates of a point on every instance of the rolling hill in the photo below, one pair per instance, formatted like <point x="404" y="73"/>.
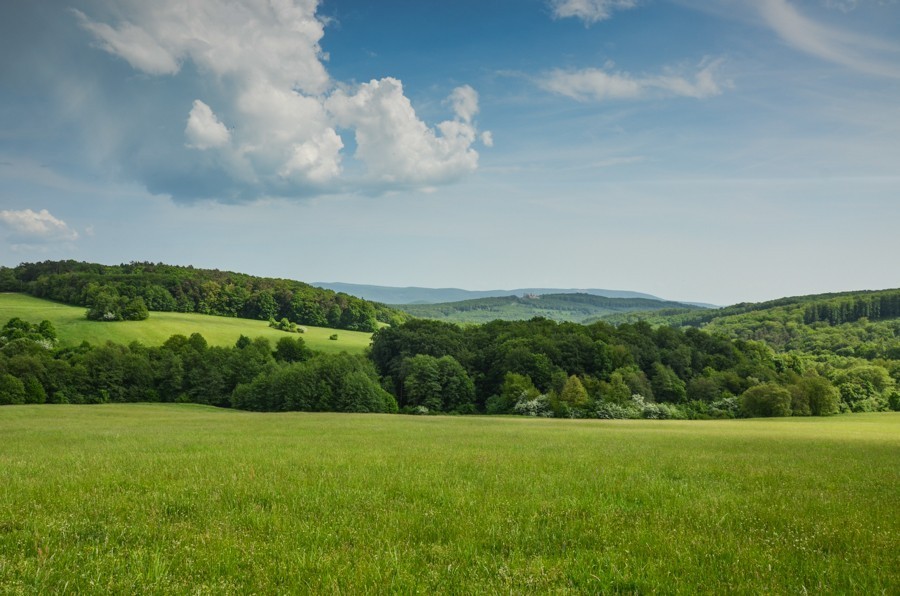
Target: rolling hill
<point x="864" y="323"/>
<point x="124" y="291"/>
<point x="577" y="308"/>
<point x="72" y="327"/>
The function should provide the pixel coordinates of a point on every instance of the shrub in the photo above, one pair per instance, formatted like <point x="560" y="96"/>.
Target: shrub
<point x="614" y="411"/>
<point x="12" y="390"/>
<point x="894" y="401"/>
<point x="766" y="400"/>
<point x="727" y="407"/>
<point x="538" y="406"/>
<point x="814" y="396"/>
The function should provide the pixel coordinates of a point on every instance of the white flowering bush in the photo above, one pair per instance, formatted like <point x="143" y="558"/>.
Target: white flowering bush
<point x="538" y="407"/>
<point x="638" y="407"/>
<point x="727" y="407"/>
<point x="613" y="411"/>
<point x="45" y="343"/>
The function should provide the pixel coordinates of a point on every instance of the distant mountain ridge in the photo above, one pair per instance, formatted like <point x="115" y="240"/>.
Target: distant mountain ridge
<point x="418" y="295"/>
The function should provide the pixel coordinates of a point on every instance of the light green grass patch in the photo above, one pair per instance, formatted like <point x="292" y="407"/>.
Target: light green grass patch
<point x="73" y="327"/>
<point x="190" y="499"/>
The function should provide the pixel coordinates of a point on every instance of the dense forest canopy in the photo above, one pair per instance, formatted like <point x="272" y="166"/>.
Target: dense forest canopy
<point x="566" y="369"/>
<point x="116" y="292"/>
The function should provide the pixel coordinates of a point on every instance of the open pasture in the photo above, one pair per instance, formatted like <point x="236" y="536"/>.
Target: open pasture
<point x="191" y="499"/>
<point x="73" y="327"/>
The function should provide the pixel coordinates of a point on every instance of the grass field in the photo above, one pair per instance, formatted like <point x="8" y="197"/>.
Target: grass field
<point x="73" y="327"/>
<point x="170" y="499"/>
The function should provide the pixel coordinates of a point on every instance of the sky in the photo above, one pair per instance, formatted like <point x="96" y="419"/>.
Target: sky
<point x="710" y="150"/>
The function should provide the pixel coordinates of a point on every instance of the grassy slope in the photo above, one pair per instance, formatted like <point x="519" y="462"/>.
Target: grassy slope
<point x="73" y="327"/>
<point x="176" y="499"/>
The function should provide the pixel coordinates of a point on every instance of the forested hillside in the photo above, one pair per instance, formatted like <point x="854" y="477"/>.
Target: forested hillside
<point x="576" y="308"/>
<point x="861" y="324"/>
<point x="115" y="292"/>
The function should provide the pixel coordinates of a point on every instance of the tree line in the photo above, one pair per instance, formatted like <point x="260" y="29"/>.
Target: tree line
<point x="834" y="309"/>
<point x="541" y="367"/>
<point x="535" y="368"/>
<point x="252" y="374"/>
<point x="117" y="292"/>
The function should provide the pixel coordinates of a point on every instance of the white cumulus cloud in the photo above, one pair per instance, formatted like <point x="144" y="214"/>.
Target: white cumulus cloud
<point x="282" y="106"/>
<point x="596" y="84"/>
<point x="277" y="40"/>
<point x="395" y="144"/>
<point x="589" y="11"/>
<point x="40" y="226"/>
<point x="203" y="130"/>
<point x="465" y="102"/>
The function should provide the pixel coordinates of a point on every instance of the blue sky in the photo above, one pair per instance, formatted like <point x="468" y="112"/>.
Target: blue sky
<point x="709" y="150"/>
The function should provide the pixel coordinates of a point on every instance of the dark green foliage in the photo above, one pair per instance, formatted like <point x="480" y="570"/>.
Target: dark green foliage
<point x="336" y="383"/>
<point x="667" y="386"/>
<point x="894" y="401"/>
<point x="392" y="345"/>
<point x="105" y="304"/>
<point x="814" y="396"/>
<point x="291" y="349"/>
<point x="632" y="370"/>
<point x="16" y="329"/>
<point x="250" y="375"/>
<point x="515" y="388"/>
<point x="767" y="400"/>
<point x="703" y="389"/>
<point x="12" y="390"/>
<point x="438" y="384"/>
<point x="127" y="292"/>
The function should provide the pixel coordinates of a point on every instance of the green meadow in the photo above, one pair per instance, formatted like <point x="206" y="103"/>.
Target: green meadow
<point x="168" y="499"/>
<point x="73" y="327"/>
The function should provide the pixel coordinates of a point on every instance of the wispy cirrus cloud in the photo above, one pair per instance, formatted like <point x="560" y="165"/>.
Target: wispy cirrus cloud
<point x="861" y="53"/>
<point x="601" y="84"/>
